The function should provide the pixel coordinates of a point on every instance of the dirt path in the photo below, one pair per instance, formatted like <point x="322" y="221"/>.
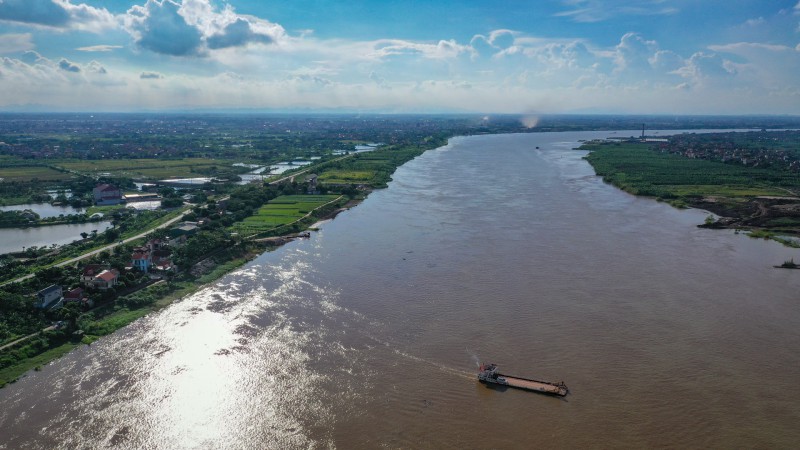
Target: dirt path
<point x="25" y="338"/>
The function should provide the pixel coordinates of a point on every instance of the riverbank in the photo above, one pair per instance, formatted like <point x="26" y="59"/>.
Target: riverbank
<point x="111" y="317"/>
<point x="50" y="345"/>
<point x="759" y="200"/>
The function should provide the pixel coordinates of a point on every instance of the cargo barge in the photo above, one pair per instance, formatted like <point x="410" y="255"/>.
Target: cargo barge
<point x="488" y="374"/>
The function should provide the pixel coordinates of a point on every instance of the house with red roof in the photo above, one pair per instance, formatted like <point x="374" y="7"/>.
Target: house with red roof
<point x="73" y="295"/>
<point x="106" y="279"/>
<point x="78" y="295"/>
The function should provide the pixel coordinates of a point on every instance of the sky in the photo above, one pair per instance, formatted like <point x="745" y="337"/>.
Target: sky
<point x="402" y="56"/>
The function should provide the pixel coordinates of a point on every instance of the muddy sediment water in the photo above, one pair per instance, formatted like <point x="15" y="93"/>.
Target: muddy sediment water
<point x="367" y="334"/>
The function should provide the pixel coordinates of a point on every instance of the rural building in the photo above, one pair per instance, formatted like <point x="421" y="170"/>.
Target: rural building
<point x="312" y="184"/>
<point x="107" y="194"/>
<point x="176" y="241"/>
<point x="78" y="295"/>
<point x="74" y="295"/>
<point x="106" y="279"/>
<point x="51" y="295"/>
<point x="156" y="244"/>
<point x="89" y="272"/>
<point x="162" y="261"/>
<point x="184" y="229"/>
<point x="146" y="197"/>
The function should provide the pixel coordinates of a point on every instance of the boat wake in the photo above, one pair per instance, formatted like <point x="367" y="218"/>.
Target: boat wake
<point x="442" y="367"/>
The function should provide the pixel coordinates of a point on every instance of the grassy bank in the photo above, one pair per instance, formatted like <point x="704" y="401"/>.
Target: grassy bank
<point x="638" y="169"/>
<point x="752" y="198"/>
<point x="12" y="373"/>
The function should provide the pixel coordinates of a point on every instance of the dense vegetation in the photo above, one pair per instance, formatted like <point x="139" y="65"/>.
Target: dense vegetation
<point x="639" y="169"/>
<point x="761" y="198"/>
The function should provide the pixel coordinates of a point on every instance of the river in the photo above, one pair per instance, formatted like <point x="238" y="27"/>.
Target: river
<point x="367" y="335"/>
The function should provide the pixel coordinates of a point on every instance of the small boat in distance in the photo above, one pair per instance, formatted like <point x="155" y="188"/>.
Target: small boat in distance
<point x="488" y="374"/>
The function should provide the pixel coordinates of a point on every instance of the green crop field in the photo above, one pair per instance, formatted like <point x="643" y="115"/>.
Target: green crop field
<point x="28" y="173"/>
<point x="346" y="176"/>
<point x="694" y="190"/>
<point x="146" y="168"/>
<point x="281" y="211"/>
<point x="640" y="170"/>
<point x="370" y="168"/>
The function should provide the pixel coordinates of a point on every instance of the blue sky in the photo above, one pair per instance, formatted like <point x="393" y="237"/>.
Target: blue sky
<point x="514" y="56"/>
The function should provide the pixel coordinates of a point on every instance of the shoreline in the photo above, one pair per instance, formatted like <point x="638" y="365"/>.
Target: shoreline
<point x="125" y="316"/>
<point x="244" y="252"/>
<point x="727" y="192"/>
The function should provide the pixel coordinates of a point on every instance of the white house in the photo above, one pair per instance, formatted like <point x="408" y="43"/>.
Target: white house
<point x="51" y="295"/>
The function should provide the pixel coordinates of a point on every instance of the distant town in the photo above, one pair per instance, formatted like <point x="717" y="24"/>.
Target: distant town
<point x="774" y="149"/>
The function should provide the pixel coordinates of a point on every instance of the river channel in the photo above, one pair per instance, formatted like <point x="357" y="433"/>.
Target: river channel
<point x="367" y="335"/>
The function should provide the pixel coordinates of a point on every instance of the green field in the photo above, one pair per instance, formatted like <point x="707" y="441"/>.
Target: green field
<point x="28" y="173"/>
<point x="147" y="168"/>
<point x="283" y="210"/>
<point x="636" y="168"/>
<point x="370" y="168"/>
<point x="695" y="190"/>
<point x="346" y="176"/>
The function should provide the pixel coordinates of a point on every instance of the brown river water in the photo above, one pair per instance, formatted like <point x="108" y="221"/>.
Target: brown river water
<point x="367" y="335"/>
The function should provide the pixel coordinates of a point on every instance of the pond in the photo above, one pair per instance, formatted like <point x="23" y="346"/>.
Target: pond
<point x="18" y="239"/>
<point x="44" y="210"/>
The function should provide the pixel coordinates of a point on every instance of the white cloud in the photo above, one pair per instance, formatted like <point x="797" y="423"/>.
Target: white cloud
<point x="68" y="66"/>
<point x="769" y="67"/>
<point x="96" y="67"/>
<point x="14" y="43"/>
<point x="666" y="61"/>
<point x="194" y="27"/>
<point x="32" y="57"/>
<point x="755" y="22"/>
<point x="707" y="69"/>
<point x="590" y="11"/>
<point x="748" y="47"/>
<point x="151" y="76"/>
<point x="258" y="64"/>
<point x="158" y="26"/>
<point x="442" y="50"/>
<point x="59" y="14"/>
<point x="88" y="18"/>
<point x="634" y="52"/>
<point x="44" y="82"/>
<point x="99" y="48"/>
